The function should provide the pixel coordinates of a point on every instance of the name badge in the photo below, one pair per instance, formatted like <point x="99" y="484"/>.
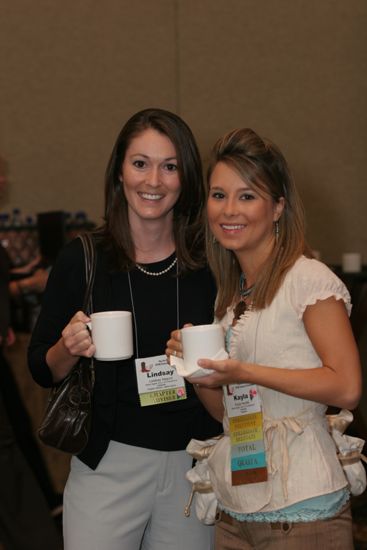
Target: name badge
<point x="248" y="457"/>
<point x="158" y="382"/>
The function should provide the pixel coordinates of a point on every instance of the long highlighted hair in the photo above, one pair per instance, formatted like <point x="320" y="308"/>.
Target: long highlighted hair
<point x="260" y="164"/>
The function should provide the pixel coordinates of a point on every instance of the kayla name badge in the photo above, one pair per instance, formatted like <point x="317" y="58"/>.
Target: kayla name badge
<point x="248" y="458"/>
<point x="158" y="382"/>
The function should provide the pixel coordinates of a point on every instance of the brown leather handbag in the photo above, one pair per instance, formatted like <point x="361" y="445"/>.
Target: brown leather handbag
<point x="67" y="419"/>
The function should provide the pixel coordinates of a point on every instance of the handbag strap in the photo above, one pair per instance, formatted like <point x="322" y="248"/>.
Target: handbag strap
<point x="90" y="270"/>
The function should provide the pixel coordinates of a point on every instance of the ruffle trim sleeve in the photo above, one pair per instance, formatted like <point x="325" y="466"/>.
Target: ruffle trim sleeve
<point x="309" y="281"/>
<point x="306" y="282"/>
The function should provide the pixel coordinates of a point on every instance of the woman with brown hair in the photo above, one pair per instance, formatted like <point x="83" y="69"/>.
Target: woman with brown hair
<point x="127" y="489"/>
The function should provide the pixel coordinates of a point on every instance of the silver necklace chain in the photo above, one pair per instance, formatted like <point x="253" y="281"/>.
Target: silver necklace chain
<point x="157" y="273"/>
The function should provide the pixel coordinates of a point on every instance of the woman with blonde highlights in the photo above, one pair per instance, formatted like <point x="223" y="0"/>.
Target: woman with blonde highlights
<point x="291" y="354"/>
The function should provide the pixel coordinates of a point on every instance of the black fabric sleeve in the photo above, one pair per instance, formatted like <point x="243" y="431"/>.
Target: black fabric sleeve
<point x="62" y="298"/>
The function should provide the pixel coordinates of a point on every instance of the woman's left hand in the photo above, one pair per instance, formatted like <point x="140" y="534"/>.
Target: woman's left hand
<point x="174" y="346"/>
<point x="227" y="371"/>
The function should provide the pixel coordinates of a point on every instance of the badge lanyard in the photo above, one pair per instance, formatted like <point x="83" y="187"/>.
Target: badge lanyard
<point x="243" y="406"/>
<point x="158" y="382"/>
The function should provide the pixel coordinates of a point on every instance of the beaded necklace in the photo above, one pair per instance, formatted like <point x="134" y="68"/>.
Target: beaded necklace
<point x="244" y="293"/>
<point x="156" y="273"/>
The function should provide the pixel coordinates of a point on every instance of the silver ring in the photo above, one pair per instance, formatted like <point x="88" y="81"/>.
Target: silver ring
<point x="175" y="353"/>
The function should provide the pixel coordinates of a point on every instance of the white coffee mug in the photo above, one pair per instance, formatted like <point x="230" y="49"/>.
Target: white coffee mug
<point x="112" y="334"/>
<point x="201" y="342"/>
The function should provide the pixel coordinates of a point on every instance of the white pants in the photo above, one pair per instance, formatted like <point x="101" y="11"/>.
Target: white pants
<point x="134" y="500"/>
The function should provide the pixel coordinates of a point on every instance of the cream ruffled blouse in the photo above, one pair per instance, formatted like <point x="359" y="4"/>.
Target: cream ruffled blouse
<point x="301" y="455"/>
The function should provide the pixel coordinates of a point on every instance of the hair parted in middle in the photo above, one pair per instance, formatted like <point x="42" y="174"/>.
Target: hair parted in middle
<point x="263" y="167"/>
<point x="188" y="211"/>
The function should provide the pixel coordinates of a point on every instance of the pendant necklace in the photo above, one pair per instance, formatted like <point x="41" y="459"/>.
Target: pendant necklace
<point x="244" y="293"/>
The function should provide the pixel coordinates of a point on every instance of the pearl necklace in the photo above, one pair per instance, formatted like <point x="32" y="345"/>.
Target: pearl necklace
<point x="157" y="273"/>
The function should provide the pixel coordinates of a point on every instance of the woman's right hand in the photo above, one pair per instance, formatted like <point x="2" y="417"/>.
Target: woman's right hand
<point x="76" y="336"/>
<point x="75" y="342"/>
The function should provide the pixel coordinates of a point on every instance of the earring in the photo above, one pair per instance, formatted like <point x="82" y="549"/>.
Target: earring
<point x="214" y="240"/>
<point x="276" y="230"/>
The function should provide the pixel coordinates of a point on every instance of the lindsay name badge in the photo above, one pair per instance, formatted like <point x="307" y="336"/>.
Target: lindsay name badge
<point x="158" y="382"/>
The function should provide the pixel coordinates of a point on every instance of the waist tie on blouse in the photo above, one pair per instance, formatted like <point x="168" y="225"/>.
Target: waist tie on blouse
<point x="282" y="426"/>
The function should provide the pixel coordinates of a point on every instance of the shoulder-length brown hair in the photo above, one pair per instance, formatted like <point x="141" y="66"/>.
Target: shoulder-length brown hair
<point x="260" y="164"/>
<point x="188" y="222"/>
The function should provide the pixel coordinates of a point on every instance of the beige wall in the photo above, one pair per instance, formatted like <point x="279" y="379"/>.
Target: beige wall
<point x="294" y="70"/>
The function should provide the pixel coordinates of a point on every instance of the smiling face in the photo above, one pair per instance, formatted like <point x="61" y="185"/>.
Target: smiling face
<point x="239" y="217"/>
<point x="150" y="177"/>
